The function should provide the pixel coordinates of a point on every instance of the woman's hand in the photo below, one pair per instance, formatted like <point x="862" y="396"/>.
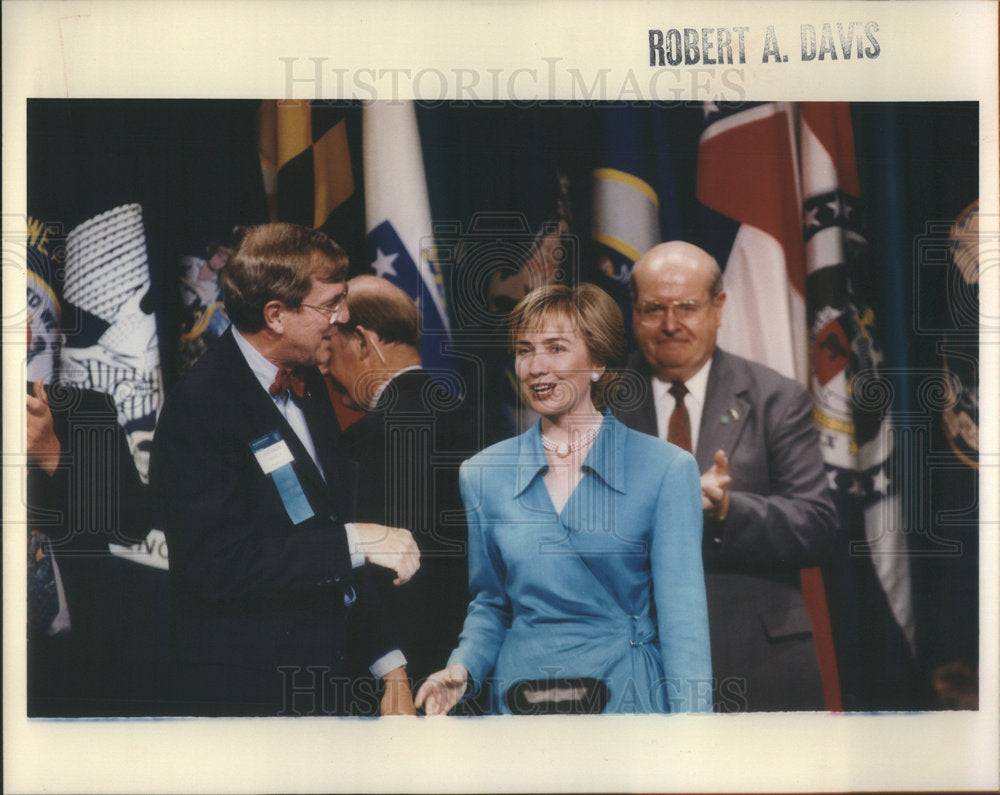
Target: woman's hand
<point x="443" y="690"/>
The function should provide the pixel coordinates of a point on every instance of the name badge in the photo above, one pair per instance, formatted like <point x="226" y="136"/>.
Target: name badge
<point x="276" y="459"/>
<point x="274" y="456"/>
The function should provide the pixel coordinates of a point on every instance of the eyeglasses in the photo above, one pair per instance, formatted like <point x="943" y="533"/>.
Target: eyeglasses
<point x="331" y="310"/>
<point x="655" y="314"/>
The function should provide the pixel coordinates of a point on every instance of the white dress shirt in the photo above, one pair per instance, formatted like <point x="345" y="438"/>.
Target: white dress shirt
<point x="694" y="402"/>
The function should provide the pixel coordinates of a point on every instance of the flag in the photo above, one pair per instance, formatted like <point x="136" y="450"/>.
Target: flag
<point x="748" y="174"/>
<point x="747" y="171"/>
<point x="307" y="151"/>
<point x="301" y="147"/>
<point x="634" y="205"/>
<point x="44" y="316"/>
<point x="114" y="348"/>
<point x="855" y="423"/>
<point x="401" y="245"/>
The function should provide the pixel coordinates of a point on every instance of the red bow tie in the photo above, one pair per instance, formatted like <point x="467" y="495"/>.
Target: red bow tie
<point x="286" y="381"/>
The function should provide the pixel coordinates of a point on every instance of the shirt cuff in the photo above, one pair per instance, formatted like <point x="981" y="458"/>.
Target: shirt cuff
<point x="387" y="662"/>
<point x="353" y="545"/>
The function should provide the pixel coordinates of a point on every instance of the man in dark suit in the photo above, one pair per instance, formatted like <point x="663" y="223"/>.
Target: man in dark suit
<point x="767" y="509"/>
<point x="87" y="653"/>
<point x="408" y="446"/>
<point x="268" y="581"/>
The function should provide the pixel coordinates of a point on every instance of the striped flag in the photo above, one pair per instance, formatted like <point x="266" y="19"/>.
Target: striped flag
<point x="794" y="263"/>
<point x="398" y="222"/>
<point x="748" y="173"/>
<point x="855" y="427"/>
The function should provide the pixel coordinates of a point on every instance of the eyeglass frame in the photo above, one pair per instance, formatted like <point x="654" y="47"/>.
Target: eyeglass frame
<point x="683" y="310"/>
<point x="331" y="311"/>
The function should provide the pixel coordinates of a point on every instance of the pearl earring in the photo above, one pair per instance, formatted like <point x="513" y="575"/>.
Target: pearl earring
<point x="595" y="377"/>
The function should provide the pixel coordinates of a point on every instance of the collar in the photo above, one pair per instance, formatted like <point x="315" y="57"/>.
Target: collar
<point x="382" y="387"/>
<point x="263" y="369"/>
<point x="606" y="457"/>
<point x="697" y="385"/>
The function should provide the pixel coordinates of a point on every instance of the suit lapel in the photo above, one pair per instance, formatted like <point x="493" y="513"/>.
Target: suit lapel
<point x="725" y="413"/>
<point x="263" y="416"/>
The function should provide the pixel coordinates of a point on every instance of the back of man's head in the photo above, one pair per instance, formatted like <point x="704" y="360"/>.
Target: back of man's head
<point x="383" y="308"/>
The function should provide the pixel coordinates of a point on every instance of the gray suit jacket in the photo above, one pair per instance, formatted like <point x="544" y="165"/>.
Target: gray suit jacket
<point x="781" y="519"/>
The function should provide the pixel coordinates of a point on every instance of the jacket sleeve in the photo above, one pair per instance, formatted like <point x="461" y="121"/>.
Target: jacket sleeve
<point x="227" y="535"/>
<point x="791" y="521"/>
<point x="679" y="589"/>
<point x="489" y="614"/>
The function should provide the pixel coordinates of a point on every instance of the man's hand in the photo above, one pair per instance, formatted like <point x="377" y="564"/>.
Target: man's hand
<point x="443" y="690"/>
<point x="391" y="547"/>
<point x="715" y="487"/>
<point x="43" y="444"/>
<point x="397" y="699"/>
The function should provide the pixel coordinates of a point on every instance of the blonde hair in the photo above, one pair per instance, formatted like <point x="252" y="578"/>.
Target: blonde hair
<point x="594" y="316"/>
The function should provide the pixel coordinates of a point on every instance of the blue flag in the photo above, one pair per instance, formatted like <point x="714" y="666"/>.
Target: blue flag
<point x="634" y="205"/>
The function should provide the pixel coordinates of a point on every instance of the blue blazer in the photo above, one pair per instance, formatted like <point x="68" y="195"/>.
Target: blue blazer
<point x="571" y="594"/>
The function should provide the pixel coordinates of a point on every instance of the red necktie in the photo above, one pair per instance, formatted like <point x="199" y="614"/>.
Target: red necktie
<point x="679" y="426"/>
<point x="286" y="381"/>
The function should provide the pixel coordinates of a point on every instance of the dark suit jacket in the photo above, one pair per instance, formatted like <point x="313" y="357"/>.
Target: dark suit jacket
<point x="781" y="519"/>
<point x="408" y="450"/>
<point x="256" y="600"/>
<point x="103" y="665"/>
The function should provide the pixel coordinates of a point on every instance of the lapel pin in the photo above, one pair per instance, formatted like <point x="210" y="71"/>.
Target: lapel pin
<point x="731" y="415"/>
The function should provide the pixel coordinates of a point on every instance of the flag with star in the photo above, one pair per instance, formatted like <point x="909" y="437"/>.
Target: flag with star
<point x="398" y="222"/>
<point x="870" y="591"/>
<point x="749" y="184"/>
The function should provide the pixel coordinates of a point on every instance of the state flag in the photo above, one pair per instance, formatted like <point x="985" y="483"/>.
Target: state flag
<point x="400" y="238"/>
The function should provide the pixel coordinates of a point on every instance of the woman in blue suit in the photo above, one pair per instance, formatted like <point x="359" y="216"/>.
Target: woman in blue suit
<point x="584" y="536"/>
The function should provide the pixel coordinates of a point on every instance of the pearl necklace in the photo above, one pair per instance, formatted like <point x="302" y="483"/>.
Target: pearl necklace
<point x="563" y="450"/>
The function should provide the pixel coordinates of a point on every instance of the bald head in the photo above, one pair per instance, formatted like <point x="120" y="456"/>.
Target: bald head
<point x="677" y="303"/>
<point x="382" y="307"/>
<point x="381" y="337"/>
<point x="680" y="256"/>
